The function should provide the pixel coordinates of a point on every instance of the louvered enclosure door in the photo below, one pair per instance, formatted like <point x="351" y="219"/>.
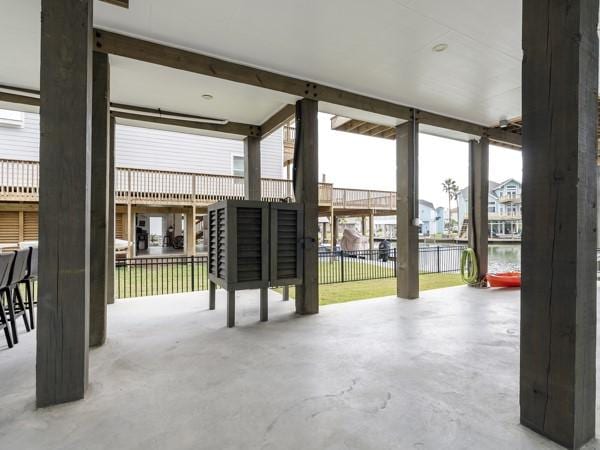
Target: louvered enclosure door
<point x="9" y="227"/>
<point x="217" y="258"/>
<point x="30" y="226"/>
<point x="252" y="253"/>
<point x="119" y="229"/>
<point x="286" y="243"/>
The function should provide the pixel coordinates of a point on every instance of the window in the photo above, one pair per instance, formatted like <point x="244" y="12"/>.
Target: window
<point x="12" y="118"/>
<point x="238" y="166"/>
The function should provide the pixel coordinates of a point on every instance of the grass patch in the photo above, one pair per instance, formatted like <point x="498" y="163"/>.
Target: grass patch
<point x="359" y="290"/>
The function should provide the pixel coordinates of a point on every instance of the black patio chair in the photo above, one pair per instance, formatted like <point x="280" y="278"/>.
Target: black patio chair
<point x="32" y="274"/>
<point x="6" y="263"/>
<point x="16" y="307"/>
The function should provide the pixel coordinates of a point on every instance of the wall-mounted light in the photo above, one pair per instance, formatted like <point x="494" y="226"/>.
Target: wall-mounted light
<point x="207" y="96"/>
<point x="439" y="47"/>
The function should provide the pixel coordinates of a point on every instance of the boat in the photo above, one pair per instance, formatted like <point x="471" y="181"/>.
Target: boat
<point x="504" y="279"/>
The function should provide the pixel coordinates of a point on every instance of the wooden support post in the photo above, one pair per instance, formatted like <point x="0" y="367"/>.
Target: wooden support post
<point x="99" y="198"/>
<point x="211" y="295"/>
<point x="363" y="225"/>
<point x="190" y="232"/>
<point x="407" y="229"/>
<point x="252" y="168"/>
<point x="110" y="260"/>
<point x="334" y="230"/>
<point x="558" y="295"/>
<point x="307" y="192"/>
<point x="252" y="180"/>
<point x="230" y="308"/>
<point x="478" y="203"/>
<point x="64" y="205"/>
<point x="286" y="293"/>
<point x="371" y="231"/>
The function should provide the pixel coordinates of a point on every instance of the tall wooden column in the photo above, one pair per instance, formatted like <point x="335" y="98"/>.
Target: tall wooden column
<point x="99" y="198"/>
<point x="407" y="209"/>
<point x="558" y="295"/>
<point x="252" y="168"/>
<point x="65" y="177"/>
<point x="479" y="155"/>
<point x="190" y="231"/>
<point x="252" y="179"/>
<point x="110" y="260"/>
<point x="371" y="231"/>
<point x="307" y="192"/>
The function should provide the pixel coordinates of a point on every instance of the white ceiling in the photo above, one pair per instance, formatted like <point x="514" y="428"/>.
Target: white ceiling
<point x="381" y="48"/>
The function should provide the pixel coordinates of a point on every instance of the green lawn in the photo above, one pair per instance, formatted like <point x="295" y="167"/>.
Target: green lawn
<point x="357" y="290"/>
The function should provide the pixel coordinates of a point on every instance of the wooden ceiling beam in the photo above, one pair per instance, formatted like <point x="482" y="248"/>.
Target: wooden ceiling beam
<point x="176" y="58"/>
<point x="277" y="120"/>
<point x="141" y="114"/>
<point x="240" y="129"/>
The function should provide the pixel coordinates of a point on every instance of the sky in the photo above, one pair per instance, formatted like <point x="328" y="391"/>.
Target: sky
<point x="353" y="161"/>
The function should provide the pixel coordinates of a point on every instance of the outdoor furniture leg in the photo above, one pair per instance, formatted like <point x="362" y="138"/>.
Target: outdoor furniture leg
<point x="29" y="294"/>
<point x="19" y="301"/>
<point x="264" y="304"/>
<point x="230" y="308"/>
<point x="11" y="316"/>
<point x="4" y="323"/>
<point x="286" y="293"/>
<point x="211" y="295"/>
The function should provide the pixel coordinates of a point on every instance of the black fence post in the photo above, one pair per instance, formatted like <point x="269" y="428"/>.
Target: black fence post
<point x="342" y="264"/>
<point x="438" y="259"/>
<point x="193" y="274"/>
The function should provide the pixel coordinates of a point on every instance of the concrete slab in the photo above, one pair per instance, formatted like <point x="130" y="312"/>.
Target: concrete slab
<point x="436" y="373"/>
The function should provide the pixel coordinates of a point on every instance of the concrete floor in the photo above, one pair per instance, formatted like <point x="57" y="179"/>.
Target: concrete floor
<point x="437" y="373"/>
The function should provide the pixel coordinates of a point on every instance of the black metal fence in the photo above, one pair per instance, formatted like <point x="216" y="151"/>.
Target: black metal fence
<point x="343" y="266"/>
<point x="158" y="276"/>
<point x="171" y="275"/>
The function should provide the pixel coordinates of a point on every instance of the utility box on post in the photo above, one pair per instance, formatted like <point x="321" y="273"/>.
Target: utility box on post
<point x="253" y="245"/>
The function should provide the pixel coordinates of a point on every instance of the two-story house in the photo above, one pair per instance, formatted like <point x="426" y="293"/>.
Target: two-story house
<point x="504" y="210"/>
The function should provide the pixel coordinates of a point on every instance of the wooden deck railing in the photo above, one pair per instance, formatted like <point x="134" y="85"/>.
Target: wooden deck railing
<point x="19" y="181"/>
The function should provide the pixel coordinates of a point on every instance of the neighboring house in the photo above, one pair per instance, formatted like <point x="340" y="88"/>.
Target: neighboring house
<point x="432" y="221"/>
<point x="430" y="217"/>
<point x="155" y="166"/>
<point x="504" y="209"/>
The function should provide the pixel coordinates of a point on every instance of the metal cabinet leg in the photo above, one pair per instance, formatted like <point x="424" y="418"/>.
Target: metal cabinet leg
<point x="230" y="308"/>
<point x="264" y="304"/>
<point x="211" y="295"/>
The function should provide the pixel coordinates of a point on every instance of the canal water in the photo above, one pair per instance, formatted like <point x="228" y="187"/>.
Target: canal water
<point x="504" y="258"/>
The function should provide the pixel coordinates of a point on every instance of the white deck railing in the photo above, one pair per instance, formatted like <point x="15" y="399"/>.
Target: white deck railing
<point x="19" y="181"/>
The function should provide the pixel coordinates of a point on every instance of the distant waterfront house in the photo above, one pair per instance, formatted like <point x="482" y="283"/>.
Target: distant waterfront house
<point x="432" y="218"/>
<point x="504" y="209"/>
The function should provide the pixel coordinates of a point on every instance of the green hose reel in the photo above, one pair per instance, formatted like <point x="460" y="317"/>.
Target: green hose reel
<point x="469" y="269"/>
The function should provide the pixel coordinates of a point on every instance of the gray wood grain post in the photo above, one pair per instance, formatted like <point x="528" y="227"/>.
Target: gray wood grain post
<point x="407" y="209"/>
<point x="252" y="179"/>
<point x="558" y="295"/>
<point x="478" y="202"/>
<point x="99" y="208"/>
<point x="307" y="183"/>
<point x="64" y="207"/>
<point x="230" y="308"/>
<point x="110" y="260"/>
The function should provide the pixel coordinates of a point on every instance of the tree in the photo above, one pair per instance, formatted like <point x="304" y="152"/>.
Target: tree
<point x="451" y="188"/>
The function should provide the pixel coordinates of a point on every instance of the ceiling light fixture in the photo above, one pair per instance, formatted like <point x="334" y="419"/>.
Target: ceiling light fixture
<point x="439" y="47"/>
<point x="207" y="96"/>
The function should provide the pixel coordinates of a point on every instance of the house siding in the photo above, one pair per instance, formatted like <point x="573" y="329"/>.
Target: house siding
<point x="146" y="148"/>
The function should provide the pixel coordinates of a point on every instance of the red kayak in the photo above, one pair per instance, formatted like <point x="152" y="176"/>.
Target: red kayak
<point x="506" y="279"/>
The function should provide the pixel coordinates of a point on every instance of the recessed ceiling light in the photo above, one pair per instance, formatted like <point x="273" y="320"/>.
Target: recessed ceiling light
<point x="207" y="97"/>
<point x="439" y="47"/>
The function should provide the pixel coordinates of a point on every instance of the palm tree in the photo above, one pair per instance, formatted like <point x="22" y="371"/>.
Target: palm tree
<point x="451" y="188"/>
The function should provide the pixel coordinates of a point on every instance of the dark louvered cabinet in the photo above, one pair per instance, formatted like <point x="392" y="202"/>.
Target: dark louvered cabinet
<point x="286" y="244"/>
<point x="253" y="245"/>
<point x="238" y="249"/>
